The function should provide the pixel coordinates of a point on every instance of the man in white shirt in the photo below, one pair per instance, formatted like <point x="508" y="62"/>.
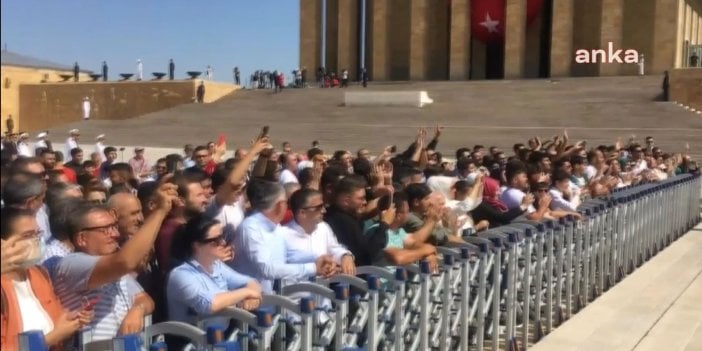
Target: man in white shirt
<point x="289" y="163"/>
<point x="71" y="142"/>
<point x="562" y="193"/>
<point x="308" y="235"/>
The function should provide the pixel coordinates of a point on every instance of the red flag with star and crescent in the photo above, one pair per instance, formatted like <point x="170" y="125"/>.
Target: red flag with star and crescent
<point x="488" y="18"/>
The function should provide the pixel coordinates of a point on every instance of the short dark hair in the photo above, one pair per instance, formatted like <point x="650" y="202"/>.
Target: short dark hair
<point x="463" y="163"/>
<point x="201" y="148"/>
<point x="121" y="167"/>
<point x="195" y="175"/>
<point x="417" y="192"/>
<point x="146" y="191"/>
<point x="331" y="176"/>
<point x="461" y="152"/>
<point x="75" y="151"/>
<point x="349" y="184"/>
<point x="559" y="175"/>
<point x="461" y="186"/>
<point x="513" y="169"/>
<point x="399" y="198"/>
<point x="108" y="150"/>
<point x="577" y="160"/>
<point x="45" y="151"/>
<point x="311" y="153"/>
<point x="88" y="163"/>
<point x="8" y="217"/>
<point x="300" y="199"/>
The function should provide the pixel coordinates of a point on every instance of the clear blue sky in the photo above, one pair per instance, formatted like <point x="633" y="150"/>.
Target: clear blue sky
<point x="251" y="34"/>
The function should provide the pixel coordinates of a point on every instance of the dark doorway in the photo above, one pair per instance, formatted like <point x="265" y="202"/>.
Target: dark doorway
<point x="495" y="61"/>
<point x="545" y="47"/>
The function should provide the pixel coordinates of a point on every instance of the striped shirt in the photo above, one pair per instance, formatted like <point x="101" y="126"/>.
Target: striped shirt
<point x="72" y="274"/>
<point x="54" y="252"/>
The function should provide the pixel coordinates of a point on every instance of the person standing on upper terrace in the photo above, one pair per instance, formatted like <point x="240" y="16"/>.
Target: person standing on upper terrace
<point x="76" y="71"/>
<point x="171" y="69"/>
<point x="104" y="71"/>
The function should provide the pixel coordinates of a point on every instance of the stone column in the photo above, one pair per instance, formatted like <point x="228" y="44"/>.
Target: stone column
<point x="310" y="35"/>
<point x="667" y="36"/>
<point x="459" y="61"/>
<point x="378" y="43"/>
<point x="515" y="38"/>
<point x="611" y="32"/>
<point x="347" y="42"/>
<point x="418" y="39"/>
<point x="562" y="51"/>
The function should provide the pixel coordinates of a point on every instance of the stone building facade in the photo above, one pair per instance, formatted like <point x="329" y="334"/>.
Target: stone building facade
<point x="437" y="39"/>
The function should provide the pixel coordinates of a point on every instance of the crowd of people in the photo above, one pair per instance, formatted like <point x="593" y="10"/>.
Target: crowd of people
<point x="102" y="243"/>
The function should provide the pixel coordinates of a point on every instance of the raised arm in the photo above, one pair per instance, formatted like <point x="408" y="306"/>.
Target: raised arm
<point x="238" y="174"/>
<point x="112" y="267"/>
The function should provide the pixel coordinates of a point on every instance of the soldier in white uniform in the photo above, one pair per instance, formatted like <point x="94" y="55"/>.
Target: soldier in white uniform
<point x="71" y="143"/>
<point x="23" y="145"/>
<point x="100" y="146"/>
<point x="86" y="108"/>
<point x="140" y="70"/>
<point x="41" y="142"/>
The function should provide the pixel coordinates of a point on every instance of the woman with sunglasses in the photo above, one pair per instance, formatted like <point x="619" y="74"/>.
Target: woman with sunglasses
<point x="201" y="284"/>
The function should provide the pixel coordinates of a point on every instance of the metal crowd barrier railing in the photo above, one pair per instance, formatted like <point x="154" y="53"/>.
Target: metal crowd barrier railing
<point x="504" y="290"/>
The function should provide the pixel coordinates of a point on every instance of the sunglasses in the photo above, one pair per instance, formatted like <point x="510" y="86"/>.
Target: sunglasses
<point x="219" y="239"/>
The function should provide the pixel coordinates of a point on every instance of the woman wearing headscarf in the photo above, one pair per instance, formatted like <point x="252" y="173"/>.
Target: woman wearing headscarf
<point x="495" y="211"/>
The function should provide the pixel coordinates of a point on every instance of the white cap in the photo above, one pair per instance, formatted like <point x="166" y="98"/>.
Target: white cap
<point x="42" y="135"/>
<point x="24" y="135"/>
<point x="101" y="136"/>
<point x="74" y="131"/>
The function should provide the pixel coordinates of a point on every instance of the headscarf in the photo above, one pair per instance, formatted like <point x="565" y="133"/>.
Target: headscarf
<point x="490" y="190"/>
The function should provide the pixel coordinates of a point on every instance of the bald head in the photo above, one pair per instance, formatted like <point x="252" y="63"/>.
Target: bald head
<point x="127" y="209"/>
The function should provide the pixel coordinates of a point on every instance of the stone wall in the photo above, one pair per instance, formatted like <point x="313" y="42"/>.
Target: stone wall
<point x="686" y="87"/>
<point x="12" y="77"/>
<point x="51" y="104"/>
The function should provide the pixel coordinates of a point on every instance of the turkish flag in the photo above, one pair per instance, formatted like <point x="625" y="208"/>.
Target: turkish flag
<point x="488" y="18"/>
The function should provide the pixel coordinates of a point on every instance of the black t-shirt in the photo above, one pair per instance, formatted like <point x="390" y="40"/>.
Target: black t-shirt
<point x="366" y="247"/>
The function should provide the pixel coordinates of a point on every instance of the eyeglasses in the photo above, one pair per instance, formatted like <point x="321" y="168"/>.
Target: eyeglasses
<point x="314" y="208"/>
<point x="105" y="229"/>
<point x="219" y="239"/>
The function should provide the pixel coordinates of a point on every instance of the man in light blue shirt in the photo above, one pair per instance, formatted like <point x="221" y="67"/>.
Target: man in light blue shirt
<point x="261" y="251"/>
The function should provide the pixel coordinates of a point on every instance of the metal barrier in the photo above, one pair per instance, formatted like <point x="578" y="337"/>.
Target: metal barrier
<point x="505" y="289"/>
